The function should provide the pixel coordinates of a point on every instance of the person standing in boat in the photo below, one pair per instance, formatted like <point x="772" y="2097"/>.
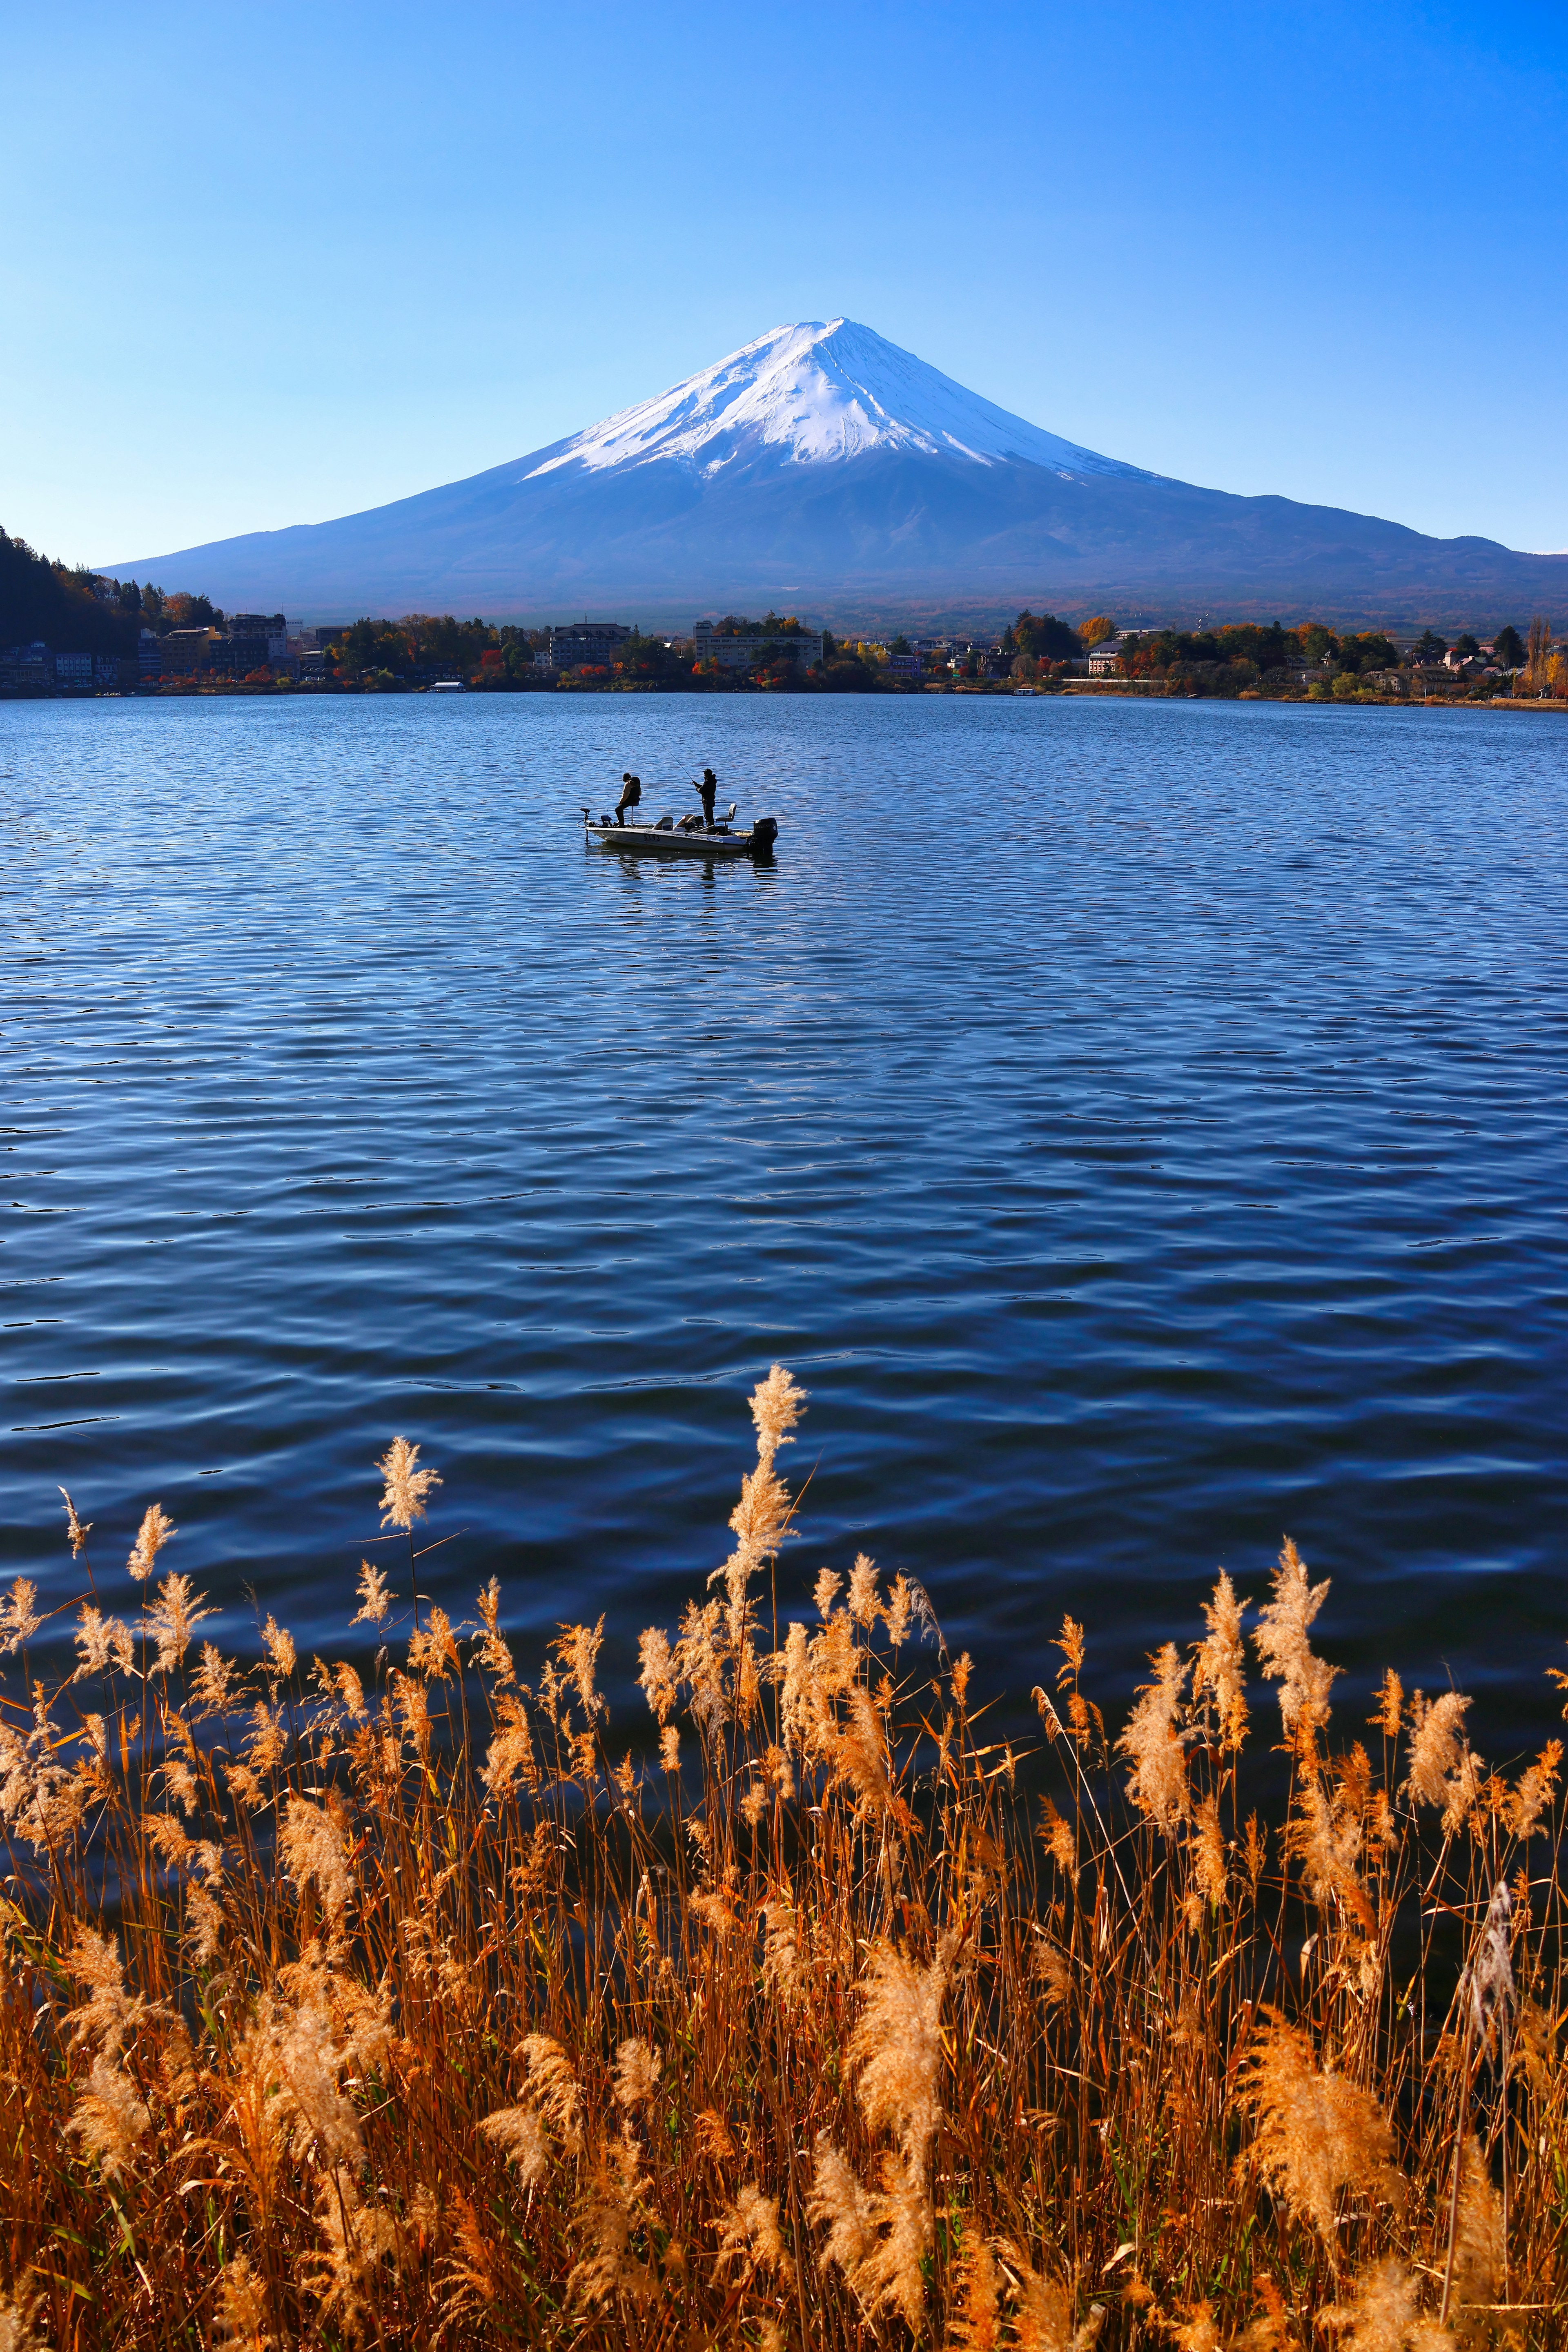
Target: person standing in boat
<point x="631" y="794"/>
<point x="708" y="790"/>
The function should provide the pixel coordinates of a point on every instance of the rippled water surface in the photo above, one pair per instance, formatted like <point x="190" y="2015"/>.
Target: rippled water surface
<point x="1141" y="1127"/>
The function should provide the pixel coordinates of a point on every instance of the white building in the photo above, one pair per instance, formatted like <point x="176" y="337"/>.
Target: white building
<point x="803" y="647"/>
<point x="584" y="644"/>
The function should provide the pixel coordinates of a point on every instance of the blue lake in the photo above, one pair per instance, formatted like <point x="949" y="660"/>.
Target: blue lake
<point x="1141" y="1127"/>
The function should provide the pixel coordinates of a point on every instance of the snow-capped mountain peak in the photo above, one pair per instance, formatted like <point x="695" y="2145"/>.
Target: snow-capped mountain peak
<point x="817" y="393"/>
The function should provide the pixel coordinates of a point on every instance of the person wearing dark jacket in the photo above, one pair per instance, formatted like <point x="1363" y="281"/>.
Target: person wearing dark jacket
<point x="707" y="790"/>
<point x="631" y="794"/>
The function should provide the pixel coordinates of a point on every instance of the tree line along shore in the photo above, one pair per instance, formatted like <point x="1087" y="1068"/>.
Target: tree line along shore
<point x="71" y="631"/>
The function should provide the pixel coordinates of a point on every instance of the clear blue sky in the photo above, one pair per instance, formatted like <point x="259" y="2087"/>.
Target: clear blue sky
<point x="266" y="266"/>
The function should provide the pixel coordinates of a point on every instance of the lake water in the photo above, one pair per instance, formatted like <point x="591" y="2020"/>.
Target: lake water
<point x="1141" y="1128"/>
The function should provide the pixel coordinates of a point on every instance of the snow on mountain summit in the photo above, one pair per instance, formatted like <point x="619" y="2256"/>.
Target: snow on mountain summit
<point x="813" y="393"/>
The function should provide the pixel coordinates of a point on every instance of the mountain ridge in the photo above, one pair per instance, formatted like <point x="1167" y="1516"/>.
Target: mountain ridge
<point x="822" y="464"/>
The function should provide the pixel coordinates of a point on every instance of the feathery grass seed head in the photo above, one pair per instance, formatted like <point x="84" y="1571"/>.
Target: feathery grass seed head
<point x="151" y="1537"/>
<point x="406" y="1486"/>
<point x="1152" y="1744"/>
<point x="1315" y="2133"/>
<point x="19" y="1618"/>
<point x="1305" y="1679"/>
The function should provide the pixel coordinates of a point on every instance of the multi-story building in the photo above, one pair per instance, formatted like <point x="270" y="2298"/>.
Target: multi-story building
<point x="1436" y="678"/>
<point x="270" y="627"/>
<point x="182" y="651"/>
<point x="240" y="655"/>
<point x="731" y="650"/>
<point x="149" y="653"/>
<point x="583" y="645"/>
<point x="73" y="669"/>
<point x="28" y="665"/>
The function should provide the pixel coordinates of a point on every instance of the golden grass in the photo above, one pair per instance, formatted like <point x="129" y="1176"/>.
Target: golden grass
<point x="393" y="2005"/>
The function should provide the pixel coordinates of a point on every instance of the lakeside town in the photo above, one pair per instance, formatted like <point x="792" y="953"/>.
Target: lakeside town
<point x="68" y="631"/>
<point x="183" y="645"/>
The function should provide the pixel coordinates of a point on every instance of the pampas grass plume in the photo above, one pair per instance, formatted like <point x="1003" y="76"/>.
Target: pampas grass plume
<point x="151" y="1537"/>
<point x="380" y="2003"/>
<point x="406" y="1486"/>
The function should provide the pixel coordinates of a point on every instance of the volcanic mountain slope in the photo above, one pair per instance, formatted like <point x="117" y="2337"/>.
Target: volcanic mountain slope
<point x="824" y="467"/>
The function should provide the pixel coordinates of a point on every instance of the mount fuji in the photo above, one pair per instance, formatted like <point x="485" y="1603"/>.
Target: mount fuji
<point x="821" y="466"/>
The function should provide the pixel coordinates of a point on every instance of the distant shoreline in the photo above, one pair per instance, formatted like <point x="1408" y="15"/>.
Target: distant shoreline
<point x="1124" y="691"/>
<point x="1111" y="690"/>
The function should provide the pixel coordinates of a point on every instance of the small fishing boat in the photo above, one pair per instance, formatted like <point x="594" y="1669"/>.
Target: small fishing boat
<point x="685" y="837"/>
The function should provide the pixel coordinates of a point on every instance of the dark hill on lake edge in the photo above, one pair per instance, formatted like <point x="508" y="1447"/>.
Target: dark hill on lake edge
<point x="822" y="467"/>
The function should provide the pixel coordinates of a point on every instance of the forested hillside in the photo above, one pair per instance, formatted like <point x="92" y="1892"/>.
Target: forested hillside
<point x="73" y="611"/>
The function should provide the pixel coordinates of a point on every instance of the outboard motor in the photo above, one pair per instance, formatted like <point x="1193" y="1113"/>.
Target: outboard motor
<point x="764" y="832"/>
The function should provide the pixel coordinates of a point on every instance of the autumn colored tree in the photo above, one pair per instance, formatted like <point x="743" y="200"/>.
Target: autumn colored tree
<point x="1537" y="651"/>
<point x="1042" y="637"/>
<point x="844" y="671"/>
<point x="192" y="613"/>
<point x="1096" y="629"/>
<point x="369" y="646"/>
<point x="649" y="660"/>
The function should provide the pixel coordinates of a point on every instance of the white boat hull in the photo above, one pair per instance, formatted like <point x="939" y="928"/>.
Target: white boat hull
<point x="668" y="841"/>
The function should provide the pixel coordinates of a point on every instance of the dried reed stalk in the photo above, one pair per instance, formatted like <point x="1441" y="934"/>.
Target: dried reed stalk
<point x="399" y="2002"/>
